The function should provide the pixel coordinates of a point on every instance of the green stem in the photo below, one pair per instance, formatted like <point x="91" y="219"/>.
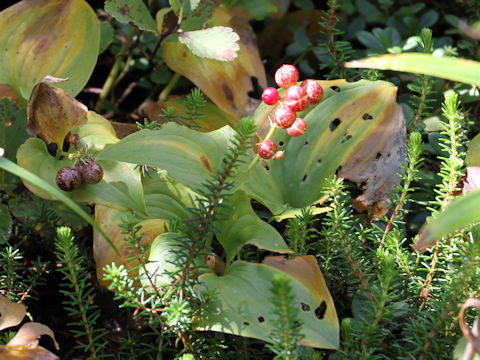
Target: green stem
<point x="273" y="127"/>
<point x="107" y="86"/>
<point x="166" y="91"/>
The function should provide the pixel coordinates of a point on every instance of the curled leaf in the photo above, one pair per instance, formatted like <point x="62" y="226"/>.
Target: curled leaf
<point x="52" y="113"/>
<point x="11" y="314"/>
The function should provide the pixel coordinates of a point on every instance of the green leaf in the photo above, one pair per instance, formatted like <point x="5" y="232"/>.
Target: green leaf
<point x="34" y="43"/>
<point x="239" y="301"/>
<point x="13" y="132"/>
<point x="218" y="43"/>
<point x="199" y="16"/>
<point x="456" y="69"/>
<point x="132" y="11"/>
<point x="5" y="224"/>
<point x="189" y="157"/>
<point x="243" y="226"/>
<point x="106" y="36"/>
<point x="462" y="212"/>
<point x="53" y="192"/>
<point x="166" y="198"/>
<point x="120" y="187"/>
<point x="260" y="9"/>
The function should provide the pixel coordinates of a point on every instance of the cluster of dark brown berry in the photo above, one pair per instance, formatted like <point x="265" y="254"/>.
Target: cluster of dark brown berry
<point x="297" y="98"/>
<point x="86" y="169"/>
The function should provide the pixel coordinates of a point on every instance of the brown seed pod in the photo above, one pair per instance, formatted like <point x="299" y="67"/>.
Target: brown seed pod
<point x="68" y="178"/>
<point x="92" y="173"/>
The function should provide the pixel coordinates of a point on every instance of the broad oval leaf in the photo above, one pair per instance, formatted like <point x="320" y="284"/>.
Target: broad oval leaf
<point x="445" y="67"/>
<point x="242" y="226"/>
<point x="240" y="305"/>
<point x="357" y="126"/>
<point x="34" y="43"/>
<point x="460" y="213"/>
<point x="227" y="84"/>
<point x="189" y="157"/>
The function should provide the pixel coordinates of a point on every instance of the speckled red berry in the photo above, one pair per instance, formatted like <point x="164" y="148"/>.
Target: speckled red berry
<point x="314" y="90"/>
<point x="68" y="178"/>
<point x="267" y="149"/>
<point x="270" y="96"/>
<point x="286" y="75"/>
<point x="296" y="98"/>
<point x="92" y="173"/>
<point x="284" y="117"/>
<point x="298" y="128"/>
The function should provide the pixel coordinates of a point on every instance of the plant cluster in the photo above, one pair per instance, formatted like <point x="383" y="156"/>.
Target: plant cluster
<point x="154" y="226"/>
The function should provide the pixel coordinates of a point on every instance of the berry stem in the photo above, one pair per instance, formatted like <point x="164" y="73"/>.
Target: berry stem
<point x="273" y="127"/>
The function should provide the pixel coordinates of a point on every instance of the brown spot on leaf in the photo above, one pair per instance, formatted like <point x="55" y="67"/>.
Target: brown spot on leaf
<point x="228" y="92"/>
<point x="206" y="163"/>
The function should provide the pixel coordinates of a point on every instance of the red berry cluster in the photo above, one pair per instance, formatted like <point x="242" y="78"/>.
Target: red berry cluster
<point x="297" y="98"/>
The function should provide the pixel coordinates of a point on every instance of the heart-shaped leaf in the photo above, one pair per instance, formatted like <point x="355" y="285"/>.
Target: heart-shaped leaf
<point x="357" y="126"/>
<point x="189" y="157"/>
<point x="239" y="301"/>
<point x="35" y="43"/>
<point x="243" y="226"/>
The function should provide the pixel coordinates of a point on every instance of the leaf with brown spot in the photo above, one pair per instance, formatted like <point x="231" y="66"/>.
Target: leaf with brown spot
<point x="214" y="77"/>
<point x="239" y="301"/>
<point x="35" y="43"/>
<point x="52" y="113"/>
<point x="339" y="134"/>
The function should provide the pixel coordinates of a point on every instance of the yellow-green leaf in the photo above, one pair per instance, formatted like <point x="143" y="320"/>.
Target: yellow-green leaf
<point x="38" y="38"/>
<point x="457" y="69"/>
<point x="227" y="84"/>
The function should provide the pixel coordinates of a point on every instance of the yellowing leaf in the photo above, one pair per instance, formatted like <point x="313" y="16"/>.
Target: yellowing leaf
<point x="357" y="126"/>
<point x="39" y="38"/>
<point x="11" y="314"/>
<point x="52" y="113"/>
<point x="227" y="84"/>
<point x="108" y="219"/>
<point x="239" y="301"/>
<point x="218" y="43"/>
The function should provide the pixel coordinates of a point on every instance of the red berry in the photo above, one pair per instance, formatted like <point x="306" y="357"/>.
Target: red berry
<point x="68" y="178"/>
<point x="92" y="173"/>
<point x="284" y="117"/>
<point x="298" y="128"/>
<point x="286" y="75"/>
<point x="314" y="90"/>
<point x="267" y="149"/>
<point x="270" y="96"/>
<point x="296" y="98"/>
